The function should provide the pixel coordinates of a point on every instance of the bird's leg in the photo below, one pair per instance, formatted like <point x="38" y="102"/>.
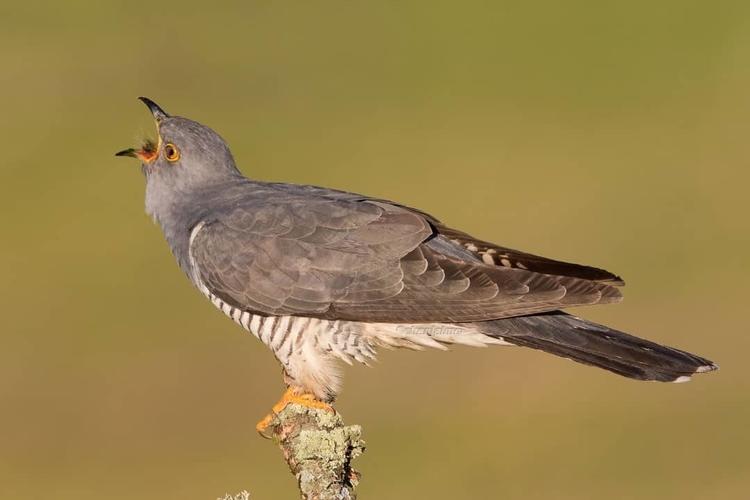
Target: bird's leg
<point x="291" y="396"/>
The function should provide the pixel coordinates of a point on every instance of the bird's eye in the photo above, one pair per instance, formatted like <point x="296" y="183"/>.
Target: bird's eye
<point x="171" y="152"/>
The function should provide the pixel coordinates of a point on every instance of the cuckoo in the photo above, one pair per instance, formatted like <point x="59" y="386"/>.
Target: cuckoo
<point x="321" y="275"/>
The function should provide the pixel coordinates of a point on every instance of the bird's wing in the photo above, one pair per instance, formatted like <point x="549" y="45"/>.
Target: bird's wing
<point x="491" y="253"/>
<point x="365" y="261"/>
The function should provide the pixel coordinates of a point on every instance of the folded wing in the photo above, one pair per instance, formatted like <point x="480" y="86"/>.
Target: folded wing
<point x="368" y="260"/>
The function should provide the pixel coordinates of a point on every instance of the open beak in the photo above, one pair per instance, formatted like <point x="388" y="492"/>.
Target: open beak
<point x="148" y="151"/>
<point x="159" y="114"/>
<point x="128" y="152"/>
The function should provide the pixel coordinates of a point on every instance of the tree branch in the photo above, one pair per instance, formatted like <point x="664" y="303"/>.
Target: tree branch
<point x="319" y="450"/>
<point x="242" y="495"/>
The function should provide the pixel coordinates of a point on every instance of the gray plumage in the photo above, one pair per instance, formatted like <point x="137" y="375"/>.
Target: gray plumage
<point x="319" y="274"/>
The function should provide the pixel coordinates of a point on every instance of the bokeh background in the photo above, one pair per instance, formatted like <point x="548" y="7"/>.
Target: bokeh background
<point x="607" y="133"/>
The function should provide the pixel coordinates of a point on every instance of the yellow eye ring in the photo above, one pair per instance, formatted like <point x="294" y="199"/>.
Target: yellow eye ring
<point x="171" y="153"/>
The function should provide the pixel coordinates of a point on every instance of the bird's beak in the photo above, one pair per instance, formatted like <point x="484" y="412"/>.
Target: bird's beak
<point x="149" y="151"/>
<point x="159" y="114"/>
<point x="131" y="152"/>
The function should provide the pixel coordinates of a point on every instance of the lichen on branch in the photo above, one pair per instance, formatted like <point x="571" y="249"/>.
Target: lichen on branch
<point x="319" y="450"/>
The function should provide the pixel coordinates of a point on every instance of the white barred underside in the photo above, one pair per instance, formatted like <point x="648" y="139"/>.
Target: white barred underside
<point x="305" y="346"/>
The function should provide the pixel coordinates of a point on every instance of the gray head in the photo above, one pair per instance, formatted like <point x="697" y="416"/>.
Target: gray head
<point x="187" y="157"/>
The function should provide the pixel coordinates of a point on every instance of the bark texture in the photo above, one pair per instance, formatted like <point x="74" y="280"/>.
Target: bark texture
<point x="319" y="450"/>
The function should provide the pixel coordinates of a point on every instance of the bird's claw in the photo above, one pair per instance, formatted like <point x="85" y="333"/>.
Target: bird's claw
<point x="290" y="396"/>
<point x="263" y="425"/>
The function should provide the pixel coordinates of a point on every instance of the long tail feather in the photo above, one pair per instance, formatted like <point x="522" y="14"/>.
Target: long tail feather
<point x="598" y="345"/>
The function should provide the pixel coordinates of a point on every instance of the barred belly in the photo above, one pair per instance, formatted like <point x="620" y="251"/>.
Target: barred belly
<point x="307" y="347"/>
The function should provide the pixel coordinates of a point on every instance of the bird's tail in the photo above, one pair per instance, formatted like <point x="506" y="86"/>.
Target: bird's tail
<point x="597" y="345"/>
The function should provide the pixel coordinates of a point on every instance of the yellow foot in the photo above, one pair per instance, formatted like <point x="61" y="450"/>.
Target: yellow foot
<point x="291" y="396"/>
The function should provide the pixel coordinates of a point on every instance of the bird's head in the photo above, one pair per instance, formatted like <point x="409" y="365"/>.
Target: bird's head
<point x="185" y="153"/>
<point x="185" y="161"/>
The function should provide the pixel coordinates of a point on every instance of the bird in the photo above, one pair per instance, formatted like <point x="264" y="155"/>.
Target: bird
<point x="323" y="276"/>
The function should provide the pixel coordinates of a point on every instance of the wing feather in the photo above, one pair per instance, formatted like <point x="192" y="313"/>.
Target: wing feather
<point x="366" y="260"/>
<point x="493" y="254"/>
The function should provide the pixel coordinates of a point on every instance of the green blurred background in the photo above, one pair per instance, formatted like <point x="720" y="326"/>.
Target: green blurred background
<point x="608" y="133"/>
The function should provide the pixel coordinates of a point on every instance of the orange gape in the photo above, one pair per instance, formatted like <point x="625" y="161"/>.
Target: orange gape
<point x="148" y="152"/>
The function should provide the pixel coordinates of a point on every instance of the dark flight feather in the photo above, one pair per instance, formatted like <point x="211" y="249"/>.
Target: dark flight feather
<point x="598" y="345"/>
<point x="508" y="257"/>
